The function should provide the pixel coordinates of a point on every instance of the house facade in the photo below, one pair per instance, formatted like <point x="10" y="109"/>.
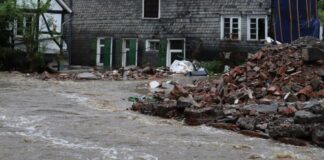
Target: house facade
<point x="49" y="24"/>
<point x="115" y="33"/>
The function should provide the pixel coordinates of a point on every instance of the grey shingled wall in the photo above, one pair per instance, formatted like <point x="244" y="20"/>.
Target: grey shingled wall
<point x="196" y="20"/>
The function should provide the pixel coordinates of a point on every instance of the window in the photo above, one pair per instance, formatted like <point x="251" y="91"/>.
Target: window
<point x="151" y="9"/>
<point x="100" y="51"/>
<point x="231" y="28"/>
<point x="257" y="28"/>
<point x="24" y="25"/>
<point x="152" y="45"/>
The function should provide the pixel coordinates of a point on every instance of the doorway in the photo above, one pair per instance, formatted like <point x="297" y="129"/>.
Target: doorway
<point x="176" y="50"/>
<point x="129" y="52"/>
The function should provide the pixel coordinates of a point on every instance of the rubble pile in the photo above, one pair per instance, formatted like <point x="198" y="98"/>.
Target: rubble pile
<point x="275" y="94"/>
<point x="129" y="73"/>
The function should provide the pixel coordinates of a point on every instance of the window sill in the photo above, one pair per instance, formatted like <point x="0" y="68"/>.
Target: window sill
<point x="147" y="18"/>
<point x="231" y="40"/>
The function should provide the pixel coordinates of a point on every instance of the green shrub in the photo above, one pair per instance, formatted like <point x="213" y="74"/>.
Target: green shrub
<point x="213" y="66"/>
<point x="36" y="63"/>
<point x="11" y="59"/>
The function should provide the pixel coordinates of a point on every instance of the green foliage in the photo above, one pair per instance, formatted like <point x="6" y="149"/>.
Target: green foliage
<point x="213" y="66"/>
<point x="12" y="59"/>
<point x="321" y="10"/>
<point x="8" y="13"/>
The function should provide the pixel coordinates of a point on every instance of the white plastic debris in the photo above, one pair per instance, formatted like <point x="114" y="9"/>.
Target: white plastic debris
<point x="269" y="40"/>
<point x="155" y="84"/>
<point x="181" y="67"/>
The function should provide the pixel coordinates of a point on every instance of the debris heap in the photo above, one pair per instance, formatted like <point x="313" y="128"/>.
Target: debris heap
<point x="129" y="73"/>
<point x="276" y="93"/>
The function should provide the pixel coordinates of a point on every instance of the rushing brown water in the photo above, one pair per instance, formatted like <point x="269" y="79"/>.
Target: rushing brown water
<point x="90" y="121"/>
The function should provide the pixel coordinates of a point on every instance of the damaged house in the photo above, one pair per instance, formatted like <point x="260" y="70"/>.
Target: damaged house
<point x="49" y="25"/>
<point x="116" y="33"/>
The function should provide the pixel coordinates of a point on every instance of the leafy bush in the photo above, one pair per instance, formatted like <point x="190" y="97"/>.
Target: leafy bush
<point x="37" y="63"/>
<point x="213" y="66"/>
<point x="11" y="59"/>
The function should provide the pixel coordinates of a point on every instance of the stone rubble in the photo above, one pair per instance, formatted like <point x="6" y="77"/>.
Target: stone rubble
<point x="274" y="94"/>
<point x="129" y="73"/>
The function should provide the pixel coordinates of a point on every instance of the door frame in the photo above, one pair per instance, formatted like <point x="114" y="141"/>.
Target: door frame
<point x="99" y="54"/>
<point x="124" y="58"/>
<point x="169" y="50"/>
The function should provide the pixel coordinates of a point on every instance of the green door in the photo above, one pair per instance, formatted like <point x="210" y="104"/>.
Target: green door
<point x="118" y="53"/>
<point x="107" y="53"/>
<point x="132" y="54"/>
<point x="163" y="51"/>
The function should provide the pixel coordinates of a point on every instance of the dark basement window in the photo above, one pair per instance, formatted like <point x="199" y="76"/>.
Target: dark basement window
<point x="151" y="9"/>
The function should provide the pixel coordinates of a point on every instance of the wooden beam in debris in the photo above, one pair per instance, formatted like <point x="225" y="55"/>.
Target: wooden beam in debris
<point x="313" y="54"/>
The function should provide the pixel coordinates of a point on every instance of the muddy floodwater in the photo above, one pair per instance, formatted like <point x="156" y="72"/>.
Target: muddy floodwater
<point x="89" y="121"/>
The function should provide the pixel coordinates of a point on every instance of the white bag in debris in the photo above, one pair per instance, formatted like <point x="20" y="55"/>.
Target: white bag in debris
<point x="181" y="66"/>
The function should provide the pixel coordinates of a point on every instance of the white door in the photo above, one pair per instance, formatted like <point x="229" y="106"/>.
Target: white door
<point x="176" y="50"/>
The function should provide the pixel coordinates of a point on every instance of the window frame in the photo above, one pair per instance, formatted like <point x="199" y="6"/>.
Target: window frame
<point x="148" y="45"/>
<point x="98" y="55"/>
<point x="257" y="27"/>
<point x="143" y="11"/>
<point x="24" y="19"/>
<point x="231" y="17"/>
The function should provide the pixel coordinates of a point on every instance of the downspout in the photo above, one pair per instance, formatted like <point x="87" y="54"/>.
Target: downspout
<point x="71" y="33"/>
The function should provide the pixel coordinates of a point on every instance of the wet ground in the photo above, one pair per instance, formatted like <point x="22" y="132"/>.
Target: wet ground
<point x="89" y="121"/>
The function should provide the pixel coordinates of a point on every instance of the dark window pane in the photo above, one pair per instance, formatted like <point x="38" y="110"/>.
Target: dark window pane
<point x="127" y="43"/>
<point x="261" y="29"/>
<point x="227" y="25"/>
<point x="20" y="26"/>
<point x="253" y="31"/>
<point x="253" y="25"/>
<point x="235" y="20"/>
<point x="235" y="25"/>
<point x="151" y="8"/>
<point x="253" y="36"/>
<point x="235" y="30"/>
<point x="253" y="20"/>
<point x="154" y="46"/>
<point x="176" y="44"/>
<point x="102" y="49"/>
<point x="227" y="20"/>
<point x="29" y="21"/>
<point x="102" y="41"/>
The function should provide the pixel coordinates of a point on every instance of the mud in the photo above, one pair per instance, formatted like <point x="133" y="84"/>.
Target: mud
<point x="90" y="121"/>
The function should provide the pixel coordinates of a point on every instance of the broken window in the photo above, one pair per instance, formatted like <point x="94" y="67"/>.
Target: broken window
<point x="24" y="25"/>
<point x="153" y="45"/>
<point x="231" y="28"/>
<point x="257" y="29"/>
<point x="151" y="8"/>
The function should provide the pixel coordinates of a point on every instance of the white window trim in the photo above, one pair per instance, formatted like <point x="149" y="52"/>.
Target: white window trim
<point x="249" y="29"/>
<point x="159" y="14"/>
<point x="98" y="54"/>
<point x="239" y="25"/>
<point x="147" y="44"/>
<point x="169" y="50"/>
